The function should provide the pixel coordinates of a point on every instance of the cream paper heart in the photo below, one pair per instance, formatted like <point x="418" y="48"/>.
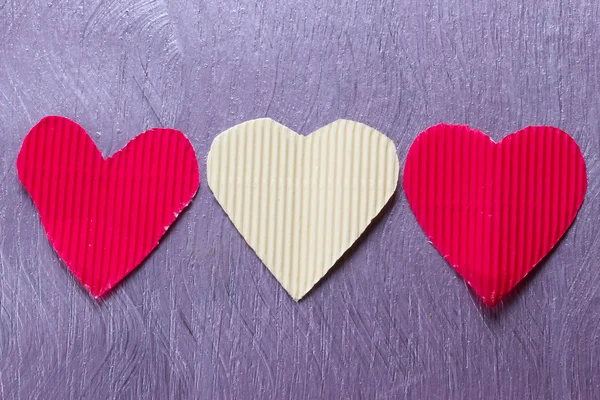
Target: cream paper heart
<point x="301" y="201"/>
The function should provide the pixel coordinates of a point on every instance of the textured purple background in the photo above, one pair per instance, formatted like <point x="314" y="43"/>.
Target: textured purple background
<point x="202" y="318"/>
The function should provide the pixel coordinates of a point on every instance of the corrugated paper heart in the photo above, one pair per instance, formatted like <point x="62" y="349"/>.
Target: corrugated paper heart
<point x="494" y="210"/>
<point x="105" y="215"/>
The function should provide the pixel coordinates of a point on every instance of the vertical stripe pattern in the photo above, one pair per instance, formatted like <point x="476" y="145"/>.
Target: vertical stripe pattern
<point x="494" y="210"/>
<point x="104" y="216"/>
<point x="301" y="201"/>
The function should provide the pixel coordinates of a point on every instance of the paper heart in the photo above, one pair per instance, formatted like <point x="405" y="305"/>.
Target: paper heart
<point x="301" y="201"/>
<point x="104" y="216"/>
<point x="494" y="210"/>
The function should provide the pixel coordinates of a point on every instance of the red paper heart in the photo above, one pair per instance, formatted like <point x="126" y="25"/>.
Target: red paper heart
<point x="104" y="216"/>
<point x="494" y="210"/>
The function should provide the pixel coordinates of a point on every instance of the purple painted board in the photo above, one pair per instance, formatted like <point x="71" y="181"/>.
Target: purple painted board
<point x="202" y="318"/>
